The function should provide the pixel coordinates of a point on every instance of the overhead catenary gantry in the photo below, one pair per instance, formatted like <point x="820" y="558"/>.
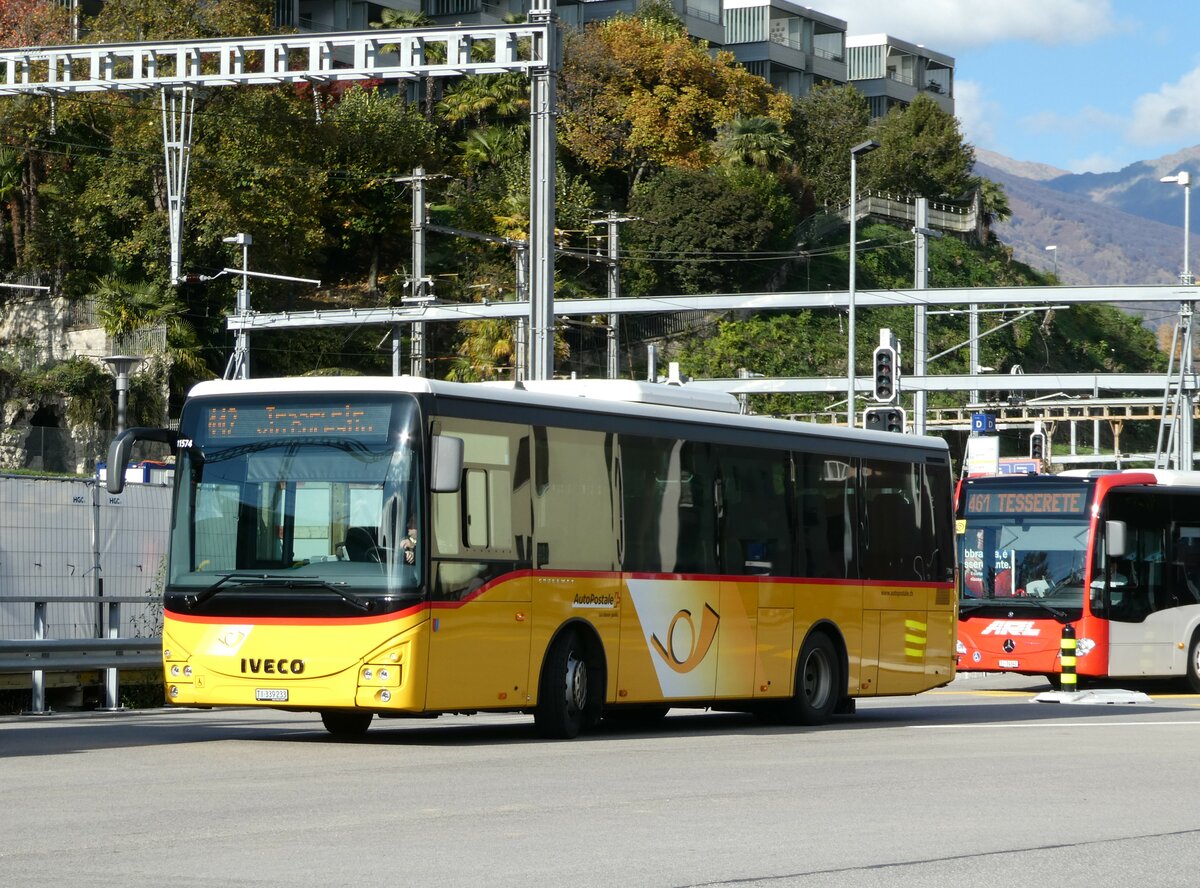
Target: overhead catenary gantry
<point x="178" y="67"/>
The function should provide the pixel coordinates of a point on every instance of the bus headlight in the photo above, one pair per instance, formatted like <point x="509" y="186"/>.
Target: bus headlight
<point x="960" y="648"/>
<point x="1083" y="646"/>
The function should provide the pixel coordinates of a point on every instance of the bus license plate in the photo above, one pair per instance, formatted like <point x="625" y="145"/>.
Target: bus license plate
<point x="271" y="695"/>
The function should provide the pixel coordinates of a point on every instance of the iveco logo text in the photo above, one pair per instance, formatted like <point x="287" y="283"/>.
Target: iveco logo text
<point x="1011" y="627"/>
<point x="282" y="666"/>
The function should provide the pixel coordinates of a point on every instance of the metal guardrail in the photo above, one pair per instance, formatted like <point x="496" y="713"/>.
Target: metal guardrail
<point x="67" y="654"/>
<point x="38" y="655"/>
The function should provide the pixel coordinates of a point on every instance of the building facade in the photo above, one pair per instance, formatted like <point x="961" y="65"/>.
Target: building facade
<point x="792" y="46"/>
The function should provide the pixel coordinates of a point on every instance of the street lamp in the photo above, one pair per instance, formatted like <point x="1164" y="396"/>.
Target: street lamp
<point x="1053" y="248"/>
<point x="1185" y="433"/>
<point x="239" y="361"/>
<point x="855" y="152"/>
<point x="122" y="365"/>
<point x="1184" y="178"/>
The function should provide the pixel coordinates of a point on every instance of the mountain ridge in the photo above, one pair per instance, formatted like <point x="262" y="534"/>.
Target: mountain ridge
<point x="1108" y="229"/>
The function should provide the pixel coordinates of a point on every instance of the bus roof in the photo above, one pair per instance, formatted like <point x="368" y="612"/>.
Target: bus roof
<point x="623" y="397"/>
<point x="1162" y="477"/>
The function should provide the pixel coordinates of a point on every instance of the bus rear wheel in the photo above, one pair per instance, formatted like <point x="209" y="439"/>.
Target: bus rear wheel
<point x="818" y="683"/>
<point x="346" y="724"/>
<point x="1193" y="664"/>
<point x="565" y="698"/>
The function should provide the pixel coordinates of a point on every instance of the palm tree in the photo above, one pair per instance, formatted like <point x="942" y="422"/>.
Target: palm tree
<point x="124" y="306"/>
<point x="478" y="96"/>
<point x="486" y="351"/>
<point x="434" y="52"/>
<point x="12" y="168"/>
<point x="757" y="141"/>
<point x="490" y="146"/>
<point x="993" y="204"/>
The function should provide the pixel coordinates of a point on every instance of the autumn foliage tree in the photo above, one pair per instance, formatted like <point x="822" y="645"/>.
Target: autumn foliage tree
<point x="638" y="93"/>
<point x="34" y="23"/>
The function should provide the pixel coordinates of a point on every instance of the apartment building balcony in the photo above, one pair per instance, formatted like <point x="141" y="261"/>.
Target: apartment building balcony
<point x="891" y="72"/>
<point x="791" y="46"/>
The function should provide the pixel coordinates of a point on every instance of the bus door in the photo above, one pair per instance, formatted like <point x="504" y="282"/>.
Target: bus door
<point x="480" y="589"/>
<point x="898" y="559"/>
<point x="757" y="551"/>
<point x="674" y="616"/>
<point x="1136" y="597"/>
<point x="1184" y="581"/>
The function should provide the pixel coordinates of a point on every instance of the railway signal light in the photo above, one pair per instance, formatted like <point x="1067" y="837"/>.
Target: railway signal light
<point x="1037" y="445"/>
<point x="885" y="419"/>
<point x="887" y="368"/>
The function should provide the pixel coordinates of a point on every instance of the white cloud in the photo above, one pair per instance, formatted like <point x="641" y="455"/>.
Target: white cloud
<point x="1170" y="115"/>
<point x="951" y="25"/>
<point x="977" y="115"/>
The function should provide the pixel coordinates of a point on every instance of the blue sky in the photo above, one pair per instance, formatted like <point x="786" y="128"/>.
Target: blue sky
<point x="1082" y="85"/>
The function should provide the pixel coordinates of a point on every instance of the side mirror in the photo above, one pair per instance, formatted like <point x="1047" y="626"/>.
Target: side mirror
<point x="1115" y="543"/>
<point x="446" y="471"/>
<point x="122" y="445"/>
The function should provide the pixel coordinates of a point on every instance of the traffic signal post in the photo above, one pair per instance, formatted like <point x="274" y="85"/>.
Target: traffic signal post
<point x="1037" y="443"/>
<point x="885" y="419"/>
<point x="886" y="365"/>
<point x="889" y="416"/>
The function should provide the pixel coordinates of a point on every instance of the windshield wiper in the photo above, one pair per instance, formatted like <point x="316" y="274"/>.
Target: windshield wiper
<point x="236" y="579"/>
<point x="1061" y="615"/>
<point x="967" y="605"/>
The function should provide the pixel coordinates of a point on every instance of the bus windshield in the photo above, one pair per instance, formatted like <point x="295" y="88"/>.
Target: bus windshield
<point x="1027" y="563"/>
<point x="297" y="496"/>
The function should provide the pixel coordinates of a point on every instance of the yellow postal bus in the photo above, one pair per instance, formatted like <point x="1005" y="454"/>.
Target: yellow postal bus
<point x="575" y="549"/>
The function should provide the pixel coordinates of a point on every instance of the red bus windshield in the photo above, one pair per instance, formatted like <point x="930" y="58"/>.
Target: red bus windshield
<point x="1024" y="545"/>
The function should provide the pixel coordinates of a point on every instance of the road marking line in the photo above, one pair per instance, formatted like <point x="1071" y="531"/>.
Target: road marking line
<point x="1052" y="723"/>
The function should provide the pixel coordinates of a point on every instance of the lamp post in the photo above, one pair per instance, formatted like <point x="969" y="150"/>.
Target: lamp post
<point x="122" y="365"/>
<point x="1053" y="248"/>
<point x="1184" y="437"/>
<point x="855" y="152"/>
<point x="1185" y="179"/>
<point x="239" y="362"/>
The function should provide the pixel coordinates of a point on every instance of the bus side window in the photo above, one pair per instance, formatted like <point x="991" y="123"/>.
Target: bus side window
<point x="894" y="548"/>
<point x="1185" y="564"/>
<point x="824" y="506"/>
<point x="756" y="525"/>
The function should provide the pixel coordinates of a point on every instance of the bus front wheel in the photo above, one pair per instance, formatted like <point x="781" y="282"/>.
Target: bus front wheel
<point x="346" y="724"/>
<point x="1193" y="664"/>
<point x="564" y="694"/>
<point x="818" y="683"/>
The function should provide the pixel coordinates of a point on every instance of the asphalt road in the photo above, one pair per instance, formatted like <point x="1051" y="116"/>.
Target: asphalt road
<point x="974" y="785"/>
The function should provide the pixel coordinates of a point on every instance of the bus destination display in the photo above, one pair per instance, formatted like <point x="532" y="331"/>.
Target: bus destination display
<point x="369" y="421"/>
<point x="1071" y="501"/>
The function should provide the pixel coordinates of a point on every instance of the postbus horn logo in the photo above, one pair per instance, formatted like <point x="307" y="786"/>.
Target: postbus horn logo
<point x="700" y="643"/>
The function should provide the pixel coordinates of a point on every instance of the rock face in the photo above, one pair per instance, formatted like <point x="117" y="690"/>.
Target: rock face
<point x="34" y="430"/>
<point x="37" y="436"/>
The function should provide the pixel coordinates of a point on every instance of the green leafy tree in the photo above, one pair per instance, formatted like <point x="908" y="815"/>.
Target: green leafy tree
<point x="135" y="20"/>
<point x="828" y="122"/>
<point x="374" y="139"/>
<point x="696" y="231"/>
<point x="922" y="153"/>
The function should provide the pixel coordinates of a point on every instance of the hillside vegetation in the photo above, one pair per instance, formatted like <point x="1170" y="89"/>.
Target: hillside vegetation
<point x="717" y="171"/>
